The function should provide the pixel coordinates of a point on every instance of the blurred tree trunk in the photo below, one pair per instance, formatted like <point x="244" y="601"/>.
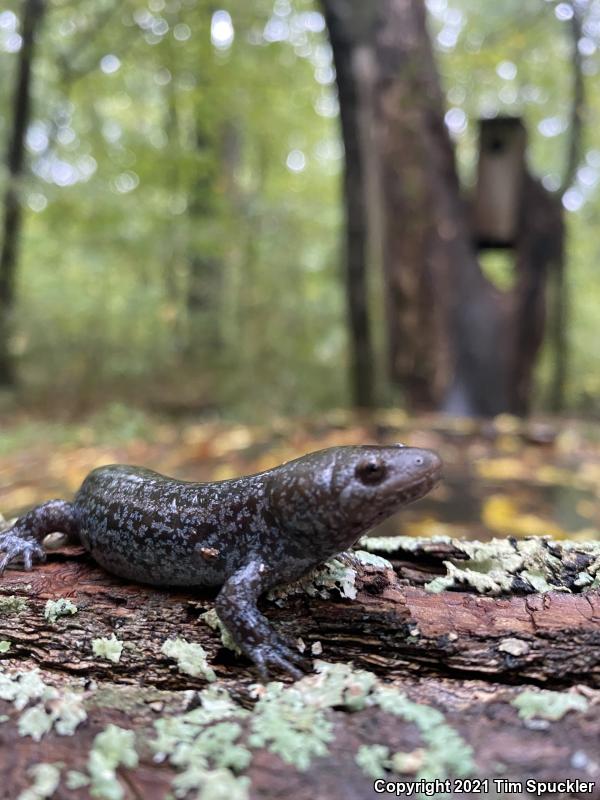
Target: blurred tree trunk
<point x="205" y="269"/>
<point x="347" y="23"/>
<point x="454" y="340"/>
<point x="443" y="317"/>
<point x="539" y="266"/>
<point x="13" y="218"/>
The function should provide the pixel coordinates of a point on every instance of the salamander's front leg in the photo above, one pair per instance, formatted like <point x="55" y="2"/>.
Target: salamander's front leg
<point x="236" y="607"/>
<point x="23" y="540"/>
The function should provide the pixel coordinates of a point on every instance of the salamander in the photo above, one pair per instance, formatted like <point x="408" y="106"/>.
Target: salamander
<point x="245" y="535"/>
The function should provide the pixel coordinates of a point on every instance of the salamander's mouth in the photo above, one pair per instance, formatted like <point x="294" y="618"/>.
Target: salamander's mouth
<point x="421" y="485"/>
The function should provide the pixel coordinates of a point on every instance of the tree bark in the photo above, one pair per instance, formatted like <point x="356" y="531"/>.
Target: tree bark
<point x="13" y="216"/>
<point x="347" y="30"/>
<point x="443" y="316"/>
<point x="449" y="650"/>
<point x="539" y="262"/>
<point x="454" y="340"/>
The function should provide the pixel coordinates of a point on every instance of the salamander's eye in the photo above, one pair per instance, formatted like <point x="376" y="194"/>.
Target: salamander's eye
<point x="371" y="471"/>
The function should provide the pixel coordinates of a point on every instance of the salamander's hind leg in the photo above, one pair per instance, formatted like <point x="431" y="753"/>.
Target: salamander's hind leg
<point x="236" y="607"/>
<point x="23" y="540"/>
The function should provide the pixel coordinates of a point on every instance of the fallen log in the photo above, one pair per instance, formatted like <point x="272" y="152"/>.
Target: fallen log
<point x="455" y="677"/>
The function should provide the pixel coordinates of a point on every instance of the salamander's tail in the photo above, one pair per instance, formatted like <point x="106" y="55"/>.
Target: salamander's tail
<point x="23" y="540"/>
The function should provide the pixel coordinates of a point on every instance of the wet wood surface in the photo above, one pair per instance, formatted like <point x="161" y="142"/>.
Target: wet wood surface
<point x="464" y="654"/>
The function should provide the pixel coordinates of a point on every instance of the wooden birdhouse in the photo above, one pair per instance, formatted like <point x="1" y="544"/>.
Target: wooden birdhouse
<point x="500" y="175"/>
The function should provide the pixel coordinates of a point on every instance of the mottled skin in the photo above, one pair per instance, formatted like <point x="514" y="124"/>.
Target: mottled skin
<point x="245" y="535"/>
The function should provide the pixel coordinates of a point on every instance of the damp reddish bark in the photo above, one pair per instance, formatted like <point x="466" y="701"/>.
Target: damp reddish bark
<point x="448" y="650"/>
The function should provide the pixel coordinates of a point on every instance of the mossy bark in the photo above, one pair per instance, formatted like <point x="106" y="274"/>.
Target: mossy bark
<point x="467" y="655"/>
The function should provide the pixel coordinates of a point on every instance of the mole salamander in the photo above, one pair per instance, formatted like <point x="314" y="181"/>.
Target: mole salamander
<point x="245" y="535"/>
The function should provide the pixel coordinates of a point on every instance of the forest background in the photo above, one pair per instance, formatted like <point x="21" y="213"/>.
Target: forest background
<point x="182" y="199"/>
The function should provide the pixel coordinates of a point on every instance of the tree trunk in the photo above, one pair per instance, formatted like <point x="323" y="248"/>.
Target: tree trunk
<point x="346" y="30"/>
<point x="13" y="218"/>
<point x="539" y="263"/>
<point x="204" y="271"/>
<point x="478" y="660"/>
<point x="443" y="317"/>
<point x="454" y="340"/>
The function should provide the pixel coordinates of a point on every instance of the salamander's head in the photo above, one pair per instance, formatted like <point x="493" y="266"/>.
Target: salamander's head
<point x="342" y="492"/>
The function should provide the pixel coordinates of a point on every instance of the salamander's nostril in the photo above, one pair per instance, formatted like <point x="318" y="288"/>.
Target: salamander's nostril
<point x="418" y="460"/>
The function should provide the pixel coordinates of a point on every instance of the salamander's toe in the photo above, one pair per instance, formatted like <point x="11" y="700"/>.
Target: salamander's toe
<point x="277" y="655"/>
<point x="16" y="548"/>
<point x="286" y="666"/>
<point x="261" y="665"/>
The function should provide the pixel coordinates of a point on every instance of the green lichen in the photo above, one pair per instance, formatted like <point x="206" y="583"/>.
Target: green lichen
<point x="45" y="707"/>
<point x="583" y="579"/>
<point x="393" y="544"/>
<point x="204" y="745"/>
<point x="215" y="747"/>
<point x="439" y="584"/>
<point x="191" y="658"/>
<point x="214" y="741"/>
<point x="446" y="752"/>
<point x="373" y="759"/>
<point x="493" y="567"/>
<point x="183" y="729"/>
<point x="46" y="778"/>
<point x="76" y="780"/>
<point x="109" y="648"/>
<point x="533" y="564"/>
<point x="59" y="608"/>
<point x="492" y="583"/>
<point x="216" y="784"/>
<point x="65" y="714"/>
<point x="35" y="722"/>
<point x="68" y="713"/>
<point x="338" y="685"/>
<point x="288" y="724"/>
<point x="111" y="749"/>
<point x="212" y="620"/>
<point x="12" y="605"/>
<point x="4" y="646"/>
<point x="548" y="705"/>
<point x="371" y="560"/>
<point x="21" y="687"/>
<point x="334" y="575"/>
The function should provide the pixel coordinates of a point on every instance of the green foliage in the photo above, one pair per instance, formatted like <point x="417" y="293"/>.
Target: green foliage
<point x="165" y="234"/>
<point x="182" y="211"/>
